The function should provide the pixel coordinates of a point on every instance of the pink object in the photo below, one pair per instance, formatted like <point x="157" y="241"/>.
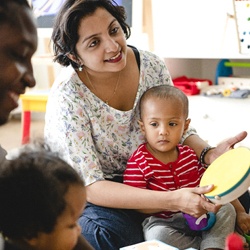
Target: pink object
<point x="234" y="242"/>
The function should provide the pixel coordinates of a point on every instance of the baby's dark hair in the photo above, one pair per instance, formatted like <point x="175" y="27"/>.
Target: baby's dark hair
<point x="32" y="190"/>
<point x="164" y="92"/>
<point x="6" y="10"/>
<point x="65" y="30"/>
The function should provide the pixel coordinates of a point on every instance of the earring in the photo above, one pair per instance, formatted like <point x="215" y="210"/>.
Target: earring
<point x="80" y="68"/>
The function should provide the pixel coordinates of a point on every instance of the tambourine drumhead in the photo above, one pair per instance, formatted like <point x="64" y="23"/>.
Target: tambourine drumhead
<point x="230" y="174"/>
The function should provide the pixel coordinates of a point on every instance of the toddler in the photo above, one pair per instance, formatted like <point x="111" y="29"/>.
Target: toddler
<point x="41" y="200"/>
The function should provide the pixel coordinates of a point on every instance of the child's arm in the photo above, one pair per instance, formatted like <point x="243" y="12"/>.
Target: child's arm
<point x="242" y="218"/>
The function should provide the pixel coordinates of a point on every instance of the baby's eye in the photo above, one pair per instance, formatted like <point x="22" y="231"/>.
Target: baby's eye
<point x="153" y="124"/>
<point x="73" y="225"/>
<point x="172" y="124"/>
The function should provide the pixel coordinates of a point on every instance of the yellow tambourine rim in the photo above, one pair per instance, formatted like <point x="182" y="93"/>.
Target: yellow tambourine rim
<point x="227" y="172"/>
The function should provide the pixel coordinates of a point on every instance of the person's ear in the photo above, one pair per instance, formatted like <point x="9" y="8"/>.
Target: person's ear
<point x="74" y="59"/>
<point x="186" y="125"/>
<point x="141" y="124"/>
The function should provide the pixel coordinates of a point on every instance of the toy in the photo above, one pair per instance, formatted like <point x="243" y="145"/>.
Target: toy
<point x="247" y="237"/>
<point x="230" y="175"/>
<point x="234" y="242"/>
<point x="205" y="222"/>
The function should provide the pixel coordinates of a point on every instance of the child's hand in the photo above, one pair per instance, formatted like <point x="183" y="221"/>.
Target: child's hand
<point x="243" y="222"/>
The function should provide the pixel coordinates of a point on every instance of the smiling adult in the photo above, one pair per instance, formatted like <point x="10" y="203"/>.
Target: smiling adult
<point x="92" y="118"/>
<point x="18" y="43"/>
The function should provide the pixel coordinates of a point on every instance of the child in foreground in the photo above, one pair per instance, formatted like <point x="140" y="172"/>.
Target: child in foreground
<point x="41" y="200"/>
<point x="163" y="164"/>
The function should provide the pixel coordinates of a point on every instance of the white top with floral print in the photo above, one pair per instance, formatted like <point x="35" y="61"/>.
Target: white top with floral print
<point x="94" y="138"/>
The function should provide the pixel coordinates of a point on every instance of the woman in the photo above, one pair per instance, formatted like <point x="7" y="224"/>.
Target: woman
<point x="92" y="116"/>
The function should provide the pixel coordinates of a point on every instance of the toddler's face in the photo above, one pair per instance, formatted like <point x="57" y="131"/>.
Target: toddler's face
<point x="67" y="229"/>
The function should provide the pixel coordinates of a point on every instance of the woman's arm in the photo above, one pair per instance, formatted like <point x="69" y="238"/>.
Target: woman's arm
<point x="197" y="144"/>
<point x="117" y="195"/>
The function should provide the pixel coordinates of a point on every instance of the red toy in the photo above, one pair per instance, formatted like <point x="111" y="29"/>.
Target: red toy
<point x="190" y="86"/>
<point x="234" y="242"/>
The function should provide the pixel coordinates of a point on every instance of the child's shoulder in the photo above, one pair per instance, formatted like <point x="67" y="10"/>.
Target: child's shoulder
<point x="182" y="147"/>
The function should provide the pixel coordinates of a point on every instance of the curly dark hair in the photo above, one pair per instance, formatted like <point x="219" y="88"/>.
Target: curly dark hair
<point x="65" y="30"/>
<point x="32" y="190"/>
<point x="6" y="9"/>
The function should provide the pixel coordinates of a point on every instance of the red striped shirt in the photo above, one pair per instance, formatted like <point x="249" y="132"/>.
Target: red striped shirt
<point x="145" y="171"/>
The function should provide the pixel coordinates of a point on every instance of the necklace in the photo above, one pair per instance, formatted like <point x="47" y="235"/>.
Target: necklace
<point x="93" y="86"/>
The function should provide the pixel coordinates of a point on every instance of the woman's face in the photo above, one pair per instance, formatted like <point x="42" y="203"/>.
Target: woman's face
<point x="17" y="45"/>
<point x="102" y="44"/>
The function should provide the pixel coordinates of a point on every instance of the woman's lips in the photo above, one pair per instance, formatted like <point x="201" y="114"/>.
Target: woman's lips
<point x="116" y="58"/>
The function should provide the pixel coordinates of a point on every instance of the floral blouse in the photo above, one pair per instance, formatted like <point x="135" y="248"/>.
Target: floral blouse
<point x="94" y="138"/>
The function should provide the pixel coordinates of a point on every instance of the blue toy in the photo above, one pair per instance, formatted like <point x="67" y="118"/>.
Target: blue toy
<point x="223" y="70"/>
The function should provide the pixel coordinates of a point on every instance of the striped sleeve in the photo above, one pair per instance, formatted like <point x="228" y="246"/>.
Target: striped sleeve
<point x="133" y="174"/>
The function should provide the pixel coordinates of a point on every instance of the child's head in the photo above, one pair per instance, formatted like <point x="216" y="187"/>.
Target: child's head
<point x="164" y="113"/>
<point x="41" y="200"/>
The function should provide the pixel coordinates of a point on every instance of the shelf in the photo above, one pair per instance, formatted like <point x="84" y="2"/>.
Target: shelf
<point x="200" y="55"/>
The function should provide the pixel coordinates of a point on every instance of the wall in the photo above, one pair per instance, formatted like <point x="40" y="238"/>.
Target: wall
<point x="194" y="28"/>
<point x="200" y="68"/>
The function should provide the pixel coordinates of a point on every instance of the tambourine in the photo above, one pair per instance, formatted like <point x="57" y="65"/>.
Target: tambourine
<point x="230" y="175"/>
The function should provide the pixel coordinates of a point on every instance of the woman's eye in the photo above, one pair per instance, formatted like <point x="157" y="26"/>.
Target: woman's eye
<point x="114" y="30"/>
<point x="94" y="43"/>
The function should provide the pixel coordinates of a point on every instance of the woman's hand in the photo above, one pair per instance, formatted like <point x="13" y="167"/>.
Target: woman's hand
<point x="223" y="147"/>
<point x="192" y="201"/>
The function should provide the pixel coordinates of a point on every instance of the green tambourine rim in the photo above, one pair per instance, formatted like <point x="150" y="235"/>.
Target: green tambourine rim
<point x="232" y="188"/>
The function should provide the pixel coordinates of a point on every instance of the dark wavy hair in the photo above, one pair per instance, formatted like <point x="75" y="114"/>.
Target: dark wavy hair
<point x="6" y="10"/>
<point x="32" y="190"/>
<point x="65" y="30"/>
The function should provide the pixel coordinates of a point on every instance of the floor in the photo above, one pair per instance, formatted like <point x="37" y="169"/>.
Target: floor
<point x="11" y="132"/>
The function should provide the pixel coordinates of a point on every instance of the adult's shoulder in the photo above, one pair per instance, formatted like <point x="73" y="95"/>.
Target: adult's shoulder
<point x="152" y="62"/>
<point x="66" y="74"/>
<point x="149" y="55"/>
<point x="66" y="82"/>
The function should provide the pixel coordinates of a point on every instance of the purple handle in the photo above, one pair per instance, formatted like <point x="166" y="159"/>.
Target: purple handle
<point x="196" y="223"/>
<point x="205" y="222"/>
